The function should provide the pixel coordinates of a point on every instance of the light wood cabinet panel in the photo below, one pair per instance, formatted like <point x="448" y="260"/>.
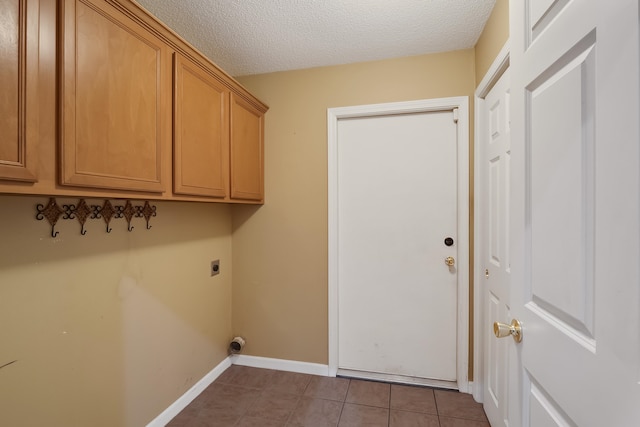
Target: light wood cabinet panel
<point x="247" y="150"/>
<point x="201" y="132"/>
<point x="116" y="93"/>
<point x="18" y="89"/>
<point x="100" y="99"/>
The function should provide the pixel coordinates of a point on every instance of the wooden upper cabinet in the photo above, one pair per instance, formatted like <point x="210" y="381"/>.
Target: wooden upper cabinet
<point x="18" y="89"/>
<point x="118" y="91"/>
<point x="116" y="99"/>
<point x="247" y="150"/>
<point x="201" y="131"/>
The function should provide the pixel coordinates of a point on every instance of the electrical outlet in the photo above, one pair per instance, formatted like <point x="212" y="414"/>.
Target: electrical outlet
<point x="215" y="267"/>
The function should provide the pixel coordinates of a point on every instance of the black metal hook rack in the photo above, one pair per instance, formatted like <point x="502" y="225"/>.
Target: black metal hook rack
<point x="82" y="211"/>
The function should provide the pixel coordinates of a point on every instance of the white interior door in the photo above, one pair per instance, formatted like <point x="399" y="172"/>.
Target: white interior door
<point x="397" y="203"/>
<point x="575" y="213"/>
<point x="495" y="151"/>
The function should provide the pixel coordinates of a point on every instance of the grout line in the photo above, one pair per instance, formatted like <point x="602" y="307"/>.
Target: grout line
<point x="340" y="416"/>
<point x="458" y="417"/>
<point x="343" y="403"/>
<point x="389" y="415"/>
<point x="347" y="393"/>
<point x="294" y="410"/>
<point x="437" y="410"/>
<point x="304" y="392"/>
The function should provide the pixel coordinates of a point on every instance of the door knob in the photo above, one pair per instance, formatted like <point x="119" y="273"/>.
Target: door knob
<point x="502" y="330"/>
<point x="514" y="329"/>
<point x="449" y="261"/>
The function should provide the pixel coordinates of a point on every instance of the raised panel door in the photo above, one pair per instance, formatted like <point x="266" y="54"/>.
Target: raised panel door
<point x="116" y="97"/>
<point x="201" y="132"/>
<point x="495" y="156"/>
<point x="575" y="213"/>
<point x="247" y="128"/>
<point x="18" y="88"/>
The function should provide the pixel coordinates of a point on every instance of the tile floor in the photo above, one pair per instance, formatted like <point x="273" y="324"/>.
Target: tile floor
<point x="245" y="397"/>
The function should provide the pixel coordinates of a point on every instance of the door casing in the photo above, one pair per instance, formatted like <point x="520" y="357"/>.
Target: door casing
<point x="427" y="105"/>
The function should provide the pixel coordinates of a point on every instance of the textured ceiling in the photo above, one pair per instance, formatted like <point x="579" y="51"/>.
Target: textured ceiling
<point x="259" y="36"/>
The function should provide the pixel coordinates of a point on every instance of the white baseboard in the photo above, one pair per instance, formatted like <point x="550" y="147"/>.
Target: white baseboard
<point x="475" y="389"/>
<point x="184" y="400"/>
<point x="280" y="364"/>
<point x="238" y="359"/>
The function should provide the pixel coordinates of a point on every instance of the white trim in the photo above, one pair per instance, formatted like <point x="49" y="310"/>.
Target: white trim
<point x="495" y="71"/>
<point x="184" y="400"/>
<point x="426" y="105"/>
<point x="397" y="379"/>
<point x="280" y="364"/>
<point x="498" y="67"/>
<point x="236" y="359"/>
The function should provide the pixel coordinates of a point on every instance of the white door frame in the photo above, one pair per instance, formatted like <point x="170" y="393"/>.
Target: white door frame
<point x="419" y="106"/>
<point x="498" y="67"/>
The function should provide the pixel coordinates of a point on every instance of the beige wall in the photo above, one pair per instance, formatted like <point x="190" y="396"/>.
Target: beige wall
<point x="280" y="250"/>
<point x="109" y="329"/>
<point x="492" y="39"/>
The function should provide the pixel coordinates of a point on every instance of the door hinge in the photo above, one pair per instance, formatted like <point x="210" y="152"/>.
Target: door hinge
<point x="455" y="115"/>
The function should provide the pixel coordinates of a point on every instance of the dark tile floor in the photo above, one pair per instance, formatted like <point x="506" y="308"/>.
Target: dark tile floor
<point x="245" y="397"/>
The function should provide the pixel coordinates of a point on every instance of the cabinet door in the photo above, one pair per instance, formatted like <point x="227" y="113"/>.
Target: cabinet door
<point x="201" y="132"/>
<point x="247" y="148"/>
<point x="18" y="89"/>
<point x="116" y="88"/>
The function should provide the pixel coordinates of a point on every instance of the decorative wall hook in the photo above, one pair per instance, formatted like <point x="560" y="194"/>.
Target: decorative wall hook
<point x="128" y="211"/>
<point x="51" y="212"/>
<point x="147" y="211"/>
<point x="107" y="212"/>
<point x="82" y="211"/>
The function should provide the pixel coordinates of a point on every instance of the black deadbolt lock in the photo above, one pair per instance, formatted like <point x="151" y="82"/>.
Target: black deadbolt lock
<point x="448" y="241"/>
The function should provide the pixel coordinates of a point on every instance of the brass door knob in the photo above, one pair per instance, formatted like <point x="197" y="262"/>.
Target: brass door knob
<point x="502" y="330"/>
<point x="449" y="261"/>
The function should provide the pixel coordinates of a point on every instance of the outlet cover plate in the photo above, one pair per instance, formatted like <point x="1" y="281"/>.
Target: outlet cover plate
<point x="215" y="267"/>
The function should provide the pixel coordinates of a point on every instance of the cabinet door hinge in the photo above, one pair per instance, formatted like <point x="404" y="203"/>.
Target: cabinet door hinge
<point x="455" y="115"/>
